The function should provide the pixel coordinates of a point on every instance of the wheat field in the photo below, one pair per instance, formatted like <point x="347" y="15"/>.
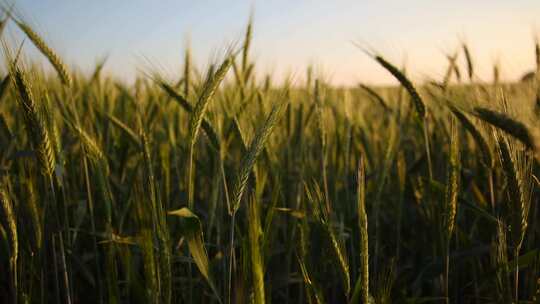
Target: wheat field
<point x="226" y="187"/>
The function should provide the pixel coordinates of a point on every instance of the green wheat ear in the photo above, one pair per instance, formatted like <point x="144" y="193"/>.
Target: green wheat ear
<point x="197" y="117"/>
<point x="205" y="124"/>
<point x="254" y="149"/>
<point x="208" y="91"/>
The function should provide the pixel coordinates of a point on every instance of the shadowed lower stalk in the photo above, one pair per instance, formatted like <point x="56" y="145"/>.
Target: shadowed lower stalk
<point x="92" y="222"/>
<point x="428" y="150"/>
<point x="402" y="179"/>
<point x="9" y="214"/>
<point x="63" y="263"/>
<point x="393" y="142"/>
<point x="159" y="223"/>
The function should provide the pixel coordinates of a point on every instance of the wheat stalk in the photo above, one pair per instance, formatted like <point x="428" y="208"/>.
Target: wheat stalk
<point x="361" y="289"/>
<point x="255" y="234"/>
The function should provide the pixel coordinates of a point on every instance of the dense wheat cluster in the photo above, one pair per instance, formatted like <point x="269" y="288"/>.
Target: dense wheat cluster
<point x="222" y="188"/>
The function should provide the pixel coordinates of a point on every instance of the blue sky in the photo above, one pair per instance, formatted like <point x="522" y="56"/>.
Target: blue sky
<point x="289" y="35"/>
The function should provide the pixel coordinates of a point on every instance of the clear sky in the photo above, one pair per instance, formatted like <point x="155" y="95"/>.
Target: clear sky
<point x="289" y="35"/>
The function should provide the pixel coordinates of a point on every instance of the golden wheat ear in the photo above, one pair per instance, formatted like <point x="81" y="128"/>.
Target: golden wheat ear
<point x="37" y="132"/>
<point x="469" y="60"/>
<point x="509" y="125"/>
<point x="487" y="155"/>
<point x="48" y="52"/>
<point x="419" y="104"/>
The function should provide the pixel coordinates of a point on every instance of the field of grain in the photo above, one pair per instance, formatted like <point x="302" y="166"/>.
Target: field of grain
<point x="224" y="187"/>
